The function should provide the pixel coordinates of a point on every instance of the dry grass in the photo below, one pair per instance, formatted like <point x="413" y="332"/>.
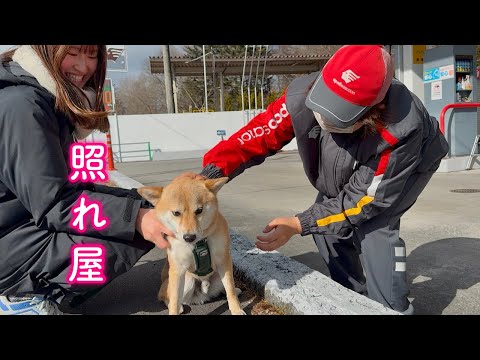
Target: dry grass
<point x="257" y="304"/>
<point x="264" y="308"/>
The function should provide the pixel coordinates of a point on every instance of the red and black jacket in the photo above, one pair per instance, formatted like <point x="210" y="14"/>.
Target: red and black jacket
<point x="361" y="176"/>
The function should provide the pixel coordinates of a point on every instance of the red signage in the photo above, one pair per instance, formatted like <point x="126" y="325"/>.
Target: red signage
<point x="108" y="96"/>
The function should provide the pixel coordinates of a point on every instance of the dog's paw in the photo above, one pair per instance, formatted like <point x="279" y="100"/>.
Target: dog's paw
<point x="238" y="291"/>
<point x="238" y="312"/>
<point x="173" y="312"/>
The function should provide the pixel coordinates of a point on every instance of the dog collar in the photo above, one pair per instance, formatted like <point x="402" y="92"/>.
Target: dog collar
<point x="201" y="253"/>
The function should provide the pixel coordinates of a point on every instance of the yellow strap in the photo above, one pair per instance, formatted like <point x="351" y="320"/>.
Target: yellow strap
<point x="349" y="212"/>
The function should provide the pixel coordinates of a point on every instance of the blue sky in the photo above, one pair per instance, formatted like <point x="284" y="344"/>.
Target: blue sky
<point x="137" y="59"/>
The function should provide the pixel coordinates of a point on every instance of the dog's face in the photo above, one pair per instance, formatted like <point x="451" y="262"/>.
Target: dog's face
<point x="186" y="206"/>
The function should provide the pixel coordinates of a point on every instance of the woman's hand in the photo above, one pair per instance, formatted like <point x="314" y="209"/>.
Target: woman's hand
<point x="152" y="228"/>
<point x="279" y="230"/>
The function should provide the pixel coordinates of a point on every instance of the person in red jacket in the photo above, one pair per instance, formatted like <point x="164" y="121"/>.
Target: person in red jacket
<point x="369" y="147"/>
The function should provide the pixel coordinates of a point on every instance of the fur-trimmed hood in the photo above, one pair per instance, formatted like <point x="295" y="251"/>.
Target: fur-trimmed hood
<point x="31" y="63"/>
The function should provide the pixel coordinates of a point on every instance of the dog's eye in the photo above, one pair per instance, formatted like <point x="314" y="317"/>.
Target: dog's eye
<point x="176" y="213"/>
<point x="198" y="211"/>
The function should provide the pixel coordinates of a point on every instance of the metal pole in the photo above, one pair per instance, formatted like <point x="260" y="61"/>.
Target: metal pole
<point x="175" y="91"/>
<point x="193" y="101"/>
<point x="399" y="63"/>
<point x="243" y="77"/>
<point x="256" y="78"/>
<point x="222" y="100"/>
<point x="263" y="75"/>
<point x="118" y="138"/>
<point x="249" y="79"/>
<point x="168" y="79"/>
<point x="215" y="101"/>
<point x="205" y="78"/>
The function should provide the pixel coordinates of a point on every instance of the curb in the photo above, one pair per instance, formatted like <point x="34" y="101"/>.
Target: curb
<point x="294" y="287"/>
<point x="286" y="283"/>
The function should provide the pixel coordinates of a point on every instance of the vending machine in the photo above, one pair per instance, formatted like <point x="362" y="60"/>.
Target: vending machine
<point x="449" y="76"/>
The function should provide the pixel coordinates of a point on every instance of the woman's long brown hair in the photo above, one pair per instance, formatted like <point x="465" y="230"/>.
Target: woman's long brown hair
<point x="70" y="99"/>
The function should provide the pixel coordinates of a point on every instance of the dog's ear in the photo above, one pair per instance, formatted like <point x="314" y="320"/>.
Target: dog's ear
<point x="151" y="193"/>
<point x="215" y="184"/>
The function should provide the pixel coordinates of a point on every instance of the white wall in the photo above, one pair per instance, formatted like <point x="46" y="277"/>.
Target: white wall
<point x="173" y="136"/>
<point x="412" y="73"/>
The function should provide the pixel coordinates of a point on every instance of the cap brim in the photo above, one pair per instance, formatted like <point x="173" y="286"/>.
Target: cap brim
<point x="339" y="112"/>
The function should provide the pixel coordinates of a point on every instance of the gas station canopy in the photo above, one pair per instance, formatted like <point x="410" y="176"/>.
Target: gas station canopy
<point x="231" y="66"/>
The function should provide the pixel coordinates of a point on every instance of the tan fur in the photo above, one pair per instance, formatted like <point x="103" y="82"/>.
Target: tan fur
<point x="178" y="207"/>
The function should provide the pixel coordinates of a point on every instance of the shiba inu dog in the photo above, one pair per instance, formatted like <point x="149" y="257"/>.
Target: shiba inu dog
<point x="199" y="265"/>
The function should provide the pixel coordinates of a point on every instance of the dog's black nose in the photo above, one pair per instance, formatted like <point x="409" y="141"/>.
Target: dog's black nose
<point x="189" y="237"/>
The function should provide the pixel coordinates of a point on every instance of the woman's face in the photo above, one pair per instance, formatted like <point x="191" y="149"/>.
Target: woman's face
<point x="79" y="65"/>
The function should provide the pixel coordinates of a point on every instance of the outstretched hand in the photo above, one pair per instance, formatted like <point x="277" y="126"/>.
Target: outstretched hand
<point x="152" y="228"/>
<point x="278" y="231"/>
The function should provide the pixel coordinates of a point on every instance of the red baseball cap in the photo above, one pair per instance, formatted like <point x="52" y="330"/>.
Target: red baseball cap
<point x="355" y="78"/>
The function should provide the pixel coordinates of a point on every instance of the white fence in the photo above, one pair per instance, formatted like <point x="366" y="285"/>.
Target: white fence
<point x="171" y="136"/>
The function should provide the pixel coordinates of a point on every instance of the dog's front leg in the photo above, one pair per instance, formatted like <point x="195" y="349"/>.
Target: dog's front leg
<point x="225" y="270"/>
<point x="176" y="283"/>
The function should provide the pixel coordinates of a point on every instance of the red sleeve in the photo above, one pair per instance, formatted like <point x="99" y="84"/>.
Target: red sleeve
<point x="263" y="136"/>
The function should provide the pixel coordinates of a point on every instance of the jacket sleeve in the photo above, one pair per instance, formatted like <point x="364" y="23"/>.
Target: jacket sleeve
<point x="121" y="192"/>
<point x="372" y="188"/>
<point x="33" y="167"/>
<point x="263" y="136"/>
